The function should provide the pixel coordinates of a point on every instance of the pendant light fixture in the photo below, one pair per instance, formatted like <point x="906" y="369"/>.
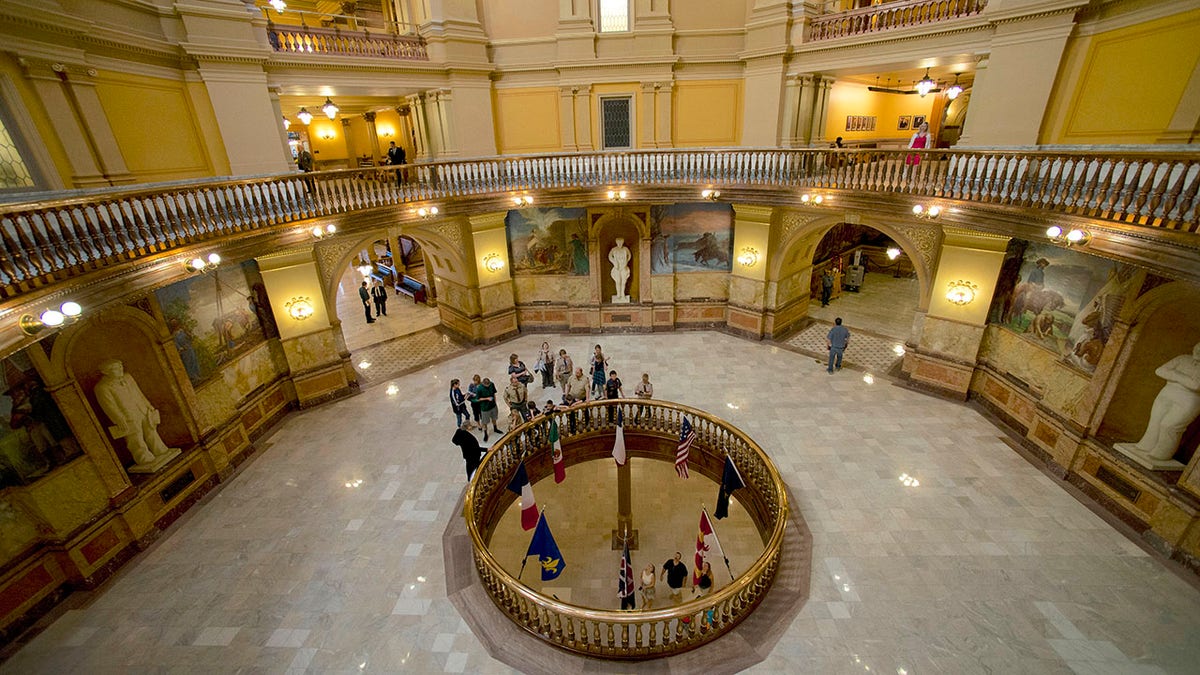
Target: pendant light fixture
<point x="304" y="116"/>
<point x="926" y="84"/>
<point x="955" y="89"/>
<point x="330" y="109"/>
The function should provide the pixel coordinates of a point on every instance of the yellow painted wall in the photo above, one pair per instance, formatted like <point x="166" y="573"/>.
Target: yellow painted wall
<point x="155" y="126"/>
<point x="326" y="149"/>
<point x="707" y="113"/>
<point x="527" y="120"/>
<point x="210" y="132"/>
<point x="389" y="122"/>
<point x="33" y="105"/>
<point x="1124" y="85"/>
<point x="848" y="98"/>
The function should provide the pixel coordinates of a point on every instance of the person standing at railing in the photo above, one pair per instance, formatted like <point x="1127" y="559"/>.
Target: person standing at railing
<point x="562" y="369"/>
<point x="304" y="161"/>
<point x="919" y="141"/>
<point x="396" y="157"/>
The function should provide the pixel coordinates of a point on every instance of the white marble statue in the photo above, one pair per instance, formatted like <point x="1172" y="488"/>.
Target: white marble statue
<point x="132" y="417"/>
<point x="619" y="256"/>
<point x="1174" y="409"/>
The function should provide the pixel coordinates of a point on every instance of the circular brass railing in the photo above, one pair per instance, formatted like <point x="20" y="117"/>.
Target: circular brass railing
<point x="623" y="634"/>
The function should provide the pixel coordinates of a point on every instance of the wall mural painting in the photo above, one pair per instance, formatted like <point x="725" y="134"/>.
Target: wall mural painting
<point x="1060" y="299"/>
<point x="548" y="241"/>
<point x="216" y="317"/>
<point x="691" y="238"/>
<point x="34" y="435"/>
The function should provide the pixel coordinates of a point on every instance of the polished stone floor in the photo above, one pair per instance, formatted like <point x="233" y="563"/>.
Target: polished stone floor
<point x="883" y="305"/>
<point x="404" y="317"/>
<point x="324" y="553"/>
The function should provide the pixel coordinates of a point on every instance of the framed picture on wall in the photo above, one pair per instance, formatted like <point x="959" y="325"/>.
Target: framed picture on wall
<point x="849" y="121"/>
<point x="918" y="120"/>
<point x="871" y="123"/>
<point x="905" y="123"/>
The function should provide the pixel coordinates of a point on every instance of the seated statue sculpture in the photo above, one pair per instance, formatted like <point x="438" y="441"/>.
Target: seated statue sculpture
<point x="133" y="417"/>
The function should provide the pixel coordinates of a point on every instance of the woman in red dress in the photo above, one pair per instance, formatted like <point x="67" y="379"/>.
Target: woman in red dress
<point x="920" y="141"/>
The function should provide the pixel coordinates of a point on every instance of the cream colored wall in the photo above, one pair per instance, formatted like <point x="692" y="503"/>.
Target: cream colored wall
<point x="707" y="113"/>
<point x="1124" y="85"/>
<point x="708" y="14"/>
<point x="848" y="98"/>
<point x="155" y="125"/>
<point x="518" y="19"/>
<point x="527" y="120"/>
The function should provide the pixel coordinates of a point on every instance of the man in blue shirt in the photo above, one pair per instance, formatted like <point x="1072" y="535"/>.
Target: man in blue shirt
<point x="836" y="341"/>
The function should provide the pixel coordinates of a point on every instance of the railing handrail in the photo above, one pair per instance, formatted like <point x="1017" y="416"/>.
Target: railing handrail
<point x="47" y="241"/>
<point x="81" y="196"/>
<point x="514" y="443"/>
<point x="864" y="20"/>
<point x="391" y="27"/>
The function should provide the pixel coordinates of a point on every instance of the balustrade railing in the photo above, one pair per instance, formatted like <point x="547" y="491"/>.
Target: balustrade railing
<point x="890" y="15"/>
<point x="613" y="633"/>
<point x="345" y="42"/>
<point x="43" y="242"/>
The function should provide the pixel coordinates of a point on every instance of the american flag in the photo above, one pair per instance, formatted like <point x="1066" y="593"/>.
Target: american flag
<point x="686" y="435"/>
<point x="625" y="577"/>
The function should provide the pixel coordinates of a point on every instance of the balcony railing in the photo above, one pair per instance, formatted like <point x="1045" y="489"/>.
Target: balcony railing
<point x="889" y="16"/>
<point x="618" y="634"/>
<point x="345" y="42"/>
<point x="46" y="241"/>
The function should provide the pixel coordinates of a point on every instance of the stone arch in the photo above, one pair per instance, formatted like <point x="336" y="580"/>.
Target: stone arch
<point x="134" y="336"/>
<point x="919" y="243"/>
<point x="334" y="257"/>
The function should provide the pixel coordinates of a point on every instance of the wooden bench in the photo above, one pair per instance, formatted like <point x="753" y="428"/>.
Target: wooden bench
<point x="412" y="288"/>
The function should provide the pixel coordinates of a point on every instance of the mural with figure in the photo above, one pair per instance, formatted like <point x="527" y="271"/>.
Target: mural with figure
<point x="34" y="435"/>
<point x="548" y="241"/>
<point x="1060" y="299"/>
<point x="691" y="238"/>
<point x="215" y="317"/>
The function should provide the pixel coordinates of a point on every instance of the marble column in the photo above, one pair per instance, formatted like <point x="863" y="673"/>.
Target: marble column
<point x="373" y="138"/>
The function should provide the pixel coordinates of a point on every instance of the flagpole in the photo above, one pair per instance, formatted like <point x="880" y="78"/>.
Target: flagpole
<point x="718" y="540"/>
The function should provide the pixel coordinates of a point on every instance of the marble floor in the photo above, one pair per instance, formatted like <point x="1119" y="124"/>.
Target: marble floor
<point x="403" y="318"/>
<point x="323" y="554"/>
<point x="883" y="305"/>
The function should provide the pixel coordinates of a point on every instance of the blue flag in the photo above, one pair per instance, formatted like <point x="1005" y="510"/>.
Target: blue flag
<point x="546" y="549"/>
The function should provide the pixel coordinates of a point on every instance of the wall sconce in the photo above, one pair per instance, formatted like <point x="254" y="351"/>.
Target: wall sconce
<point x="893" y="253"/>
<point x="617" y="195"/>
<point x="202" y="265"/>
<point x="330" y="109"/>
<point x="811" y="200"/>
<point x="319" y="232"/>
<point x="386" y="132"/>
<point x="300" y="308"/>
<point x="710" y="195"/>
<point x="1070" y="237"/>
<point x="492" y="262"/>
<point x="427" y="211"/>
<point x="961" y="292"/>
<point x="748" y="257"/>
<point x="327" y="134"/>
<point x="926" y="213"/>
<point x="67" y="312"/>
<point x="521" y="201"/>
<point x="304" y="116"/>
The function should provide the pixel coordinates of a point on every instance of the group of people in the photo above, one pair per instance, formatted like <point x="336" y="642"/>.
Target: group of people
<point x="476" y="408"/>
<point x="675" y="573"/>
<point x="376" y="294"/>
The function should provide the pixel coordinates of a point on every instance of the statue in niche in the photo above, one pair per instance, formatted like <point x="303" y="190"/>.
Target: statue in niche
<point x="1174" y="409"/>
<point x="620" y="256"/>
<point x="133" y="418"/>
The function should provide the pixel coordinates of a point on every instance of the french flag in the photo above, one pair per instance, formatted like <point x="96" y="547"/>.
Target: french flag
<point x="520" y="485"/>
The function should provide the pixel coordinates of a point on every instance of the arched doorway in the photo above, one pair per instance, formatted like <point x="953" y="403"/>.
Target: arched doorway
<point x="409" y="307"/>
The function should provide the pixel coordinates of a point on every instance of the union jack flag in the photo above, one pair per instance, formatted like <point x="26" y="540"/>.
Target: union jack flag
<point x="686" y="435"/>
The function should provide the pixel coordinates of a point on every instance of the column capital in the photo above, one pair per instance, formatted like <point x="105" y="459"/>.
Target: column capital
<point x="369" y="116"/>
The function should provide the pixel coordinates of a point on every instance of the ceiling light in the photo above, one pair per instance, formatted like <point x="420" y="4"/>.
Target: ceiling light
<point x="287" y="124"/>
<point x="330" y="109"/>
<point x="304" y="116"/>
<point x="279" y="5"/>
<point x="893" y="253"/>
<point x="67" y="312"/>
<point x="955" y="89"/>
<point x="926" y="84"/>
<point x="1069" y="237"/>
<point x="711" y="195"/>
